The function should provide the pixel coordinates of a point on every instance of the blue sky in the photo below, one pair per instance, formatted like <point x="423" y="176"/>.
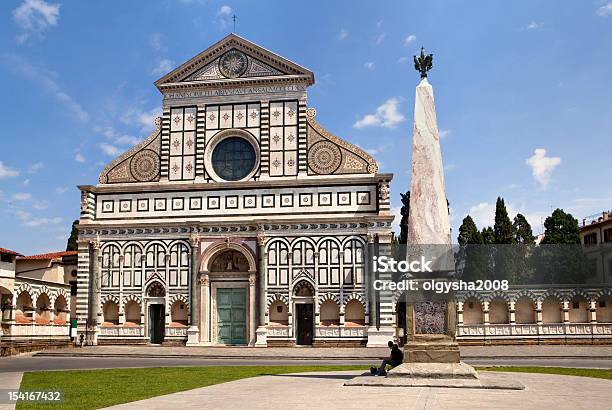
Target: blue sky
<point x="522" y="88"/>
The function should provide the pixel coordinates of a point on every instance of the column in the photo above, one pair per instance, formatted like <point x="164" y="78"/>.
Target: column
<point x="566" y="311"/>
<point x="593" y="310"/>
<point x="512" y="312"/>
<point x="370" y="275"/>
<point x="539" y="320"/>
<point x="379" y="336"/>
<point x="204" y="292"/>
<point x="262" y="331"/>
<point x="252" y="308"/>
<point x="459" y="313"/>
<point x="193" y="333"/>
<point x="121" y="314"/>
<point x="95" y="318"/>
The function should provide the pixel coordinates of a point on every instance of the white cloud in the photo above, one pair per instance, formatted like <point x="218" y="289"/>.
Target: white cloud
<point x="157" y="43"/>
<point x="79" y="157"/>
<point x="138" y="117"/>
<point x="163" y="67"/>
<point x="395" y="226"/>
<point x="533" y="25"/>
<point x="7" y="172"/>
<point x="117" y="137"/>
<point x="370" y="65"/>
<point x="35" y="17"/>
<point x="380" y="38"/>
<point x="61" y="190"/>
<point x="43" y="221"/>
<point x="109" y="149"/>
<point x="22" y="196"/>
<point x="402" y="60"/>
<point x="445" y="133"/>
<point x="224" y="10"/>
<point x="483" y="215"/>
<point x="542" y="166"/>
<point x="40" y="205"/>
<point x="605" y="10"/>
<point x="409" y="40"/>
<point x="26" y="181"/>
<point x="224" y="17"/>
<point x="35" y="167"/>
<point x="343" y="34"/>
<point x="386" y="116"/>
<point x="46" y="79"/>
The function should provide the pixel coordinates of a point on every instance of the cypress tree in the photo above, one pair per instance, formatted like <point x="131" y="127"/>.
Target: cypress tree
<point x="503" y="229"/>
<point x="403" y="238"/>
<point x="522" y="230"/>
<point x="72" y="240"/>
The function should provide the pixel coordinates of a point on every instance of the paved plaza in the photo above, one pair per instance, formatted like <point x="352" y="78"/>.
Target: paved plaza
<point x="326" y="390"/>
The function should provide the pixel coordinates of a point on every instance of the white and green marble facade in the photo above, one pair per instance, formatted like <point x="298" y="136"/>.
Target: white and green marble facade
<point x="160" y="224"/>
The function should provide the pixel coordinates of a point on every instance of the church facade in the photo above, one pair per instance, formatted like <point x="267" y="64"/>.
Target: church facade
<point x="239" y="221"/>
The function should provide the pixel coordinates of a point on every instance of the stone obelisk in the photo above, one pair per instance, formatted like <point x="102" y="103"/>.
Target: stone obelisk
<point x="430" y="347"/>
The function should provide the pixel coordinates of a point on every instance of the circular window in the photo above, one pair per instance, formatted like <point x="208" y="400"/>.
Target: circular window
<point x="233" y="158"/>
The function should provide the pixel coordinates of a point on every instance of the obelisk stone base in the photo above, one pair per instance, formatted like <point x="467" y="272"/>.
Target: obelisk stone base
<point x="434" y="371"/>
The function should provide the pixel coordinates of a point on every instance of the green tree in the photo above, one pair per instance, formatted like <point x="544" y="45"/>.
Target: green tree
<point x="472" y="257"/>
<point x="522" y="230"/>
<point x="74" y="234"/>
<point x="468" y="232"/>
<point x="560" y="257"/>
<point x="488" y="236"/>
<point x="503" y="229"/>
<point x="522" y="272"/>
<point x="561" y="228"/>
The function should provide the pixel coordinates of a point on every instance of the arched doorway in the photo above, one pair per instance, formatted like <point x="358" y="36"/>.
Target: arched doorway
<point x="232" y="302"/>
<point x="157" y="312"/>
<point x="303" y="297"/>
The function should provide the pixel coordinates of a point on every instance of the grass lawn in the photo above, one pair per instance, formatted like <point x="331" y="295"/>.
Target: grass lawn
<point x="567" y="371"/>
<point x="93" y="389"/>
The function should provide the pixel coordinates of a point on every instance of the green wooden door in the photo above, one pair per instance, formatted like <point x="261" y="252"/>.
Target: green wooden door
<point x="231" y="316"/>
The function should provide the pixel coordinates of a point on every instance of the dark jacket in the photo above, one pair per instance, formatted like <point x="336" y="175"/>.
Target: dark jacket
<point x="397" y="356"/>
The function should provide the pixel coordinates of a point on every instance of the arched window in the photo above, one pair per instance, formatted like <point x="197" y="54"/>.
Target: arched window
<point x="132" y="266"/>
<point x="551" y="310"/>
<point x="110" y="310"/>
<point x="604" y="310"/>
<point x="329" y="263"/>
<point x="278" y="263"/>
<point x="179" y="265"/>
<point x="24" y="309"/>
<point x="43" y="309"/>
<point x="354" y="313"/>
<point x="110" y="266"/>
<point x="524" y="311"/>
<point x="155" y="260"/>
<point x="302" y="255"/>
<point x="579" y="310"/>
<point x="278" y="314"/>
<point x="132" y="313"/>
<point x="353" y="262"/>
<point x="498" y="312"/>
<point x="330" y="313"/>
<point x="61" y="309"/>
<point x="472" y="312"/>
<point x="178" y="313"/>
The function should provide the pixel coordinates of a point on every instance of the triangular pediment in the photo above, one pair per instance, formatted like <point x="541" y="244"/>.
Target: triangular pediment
<point x="235" y="60"/>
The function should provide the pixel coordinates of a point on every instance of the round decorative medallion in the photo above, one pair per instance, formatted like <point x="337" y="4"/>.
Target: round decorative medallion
<point x="324" y="157"/>
<point x="145" y="165"/>
<point x="233" y="64"/>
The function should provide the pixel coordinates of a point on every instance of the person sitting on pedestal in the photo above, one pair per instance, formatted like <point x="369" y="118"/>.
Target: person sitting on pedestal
<point x="395" y="359"/>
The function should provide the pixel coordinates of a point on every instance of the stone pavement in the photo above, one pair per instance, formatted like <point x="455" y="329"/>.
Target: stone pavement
<point x="326" y="391"/>
<point x="9" y="381"/>
<point x="310" y="353"/>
